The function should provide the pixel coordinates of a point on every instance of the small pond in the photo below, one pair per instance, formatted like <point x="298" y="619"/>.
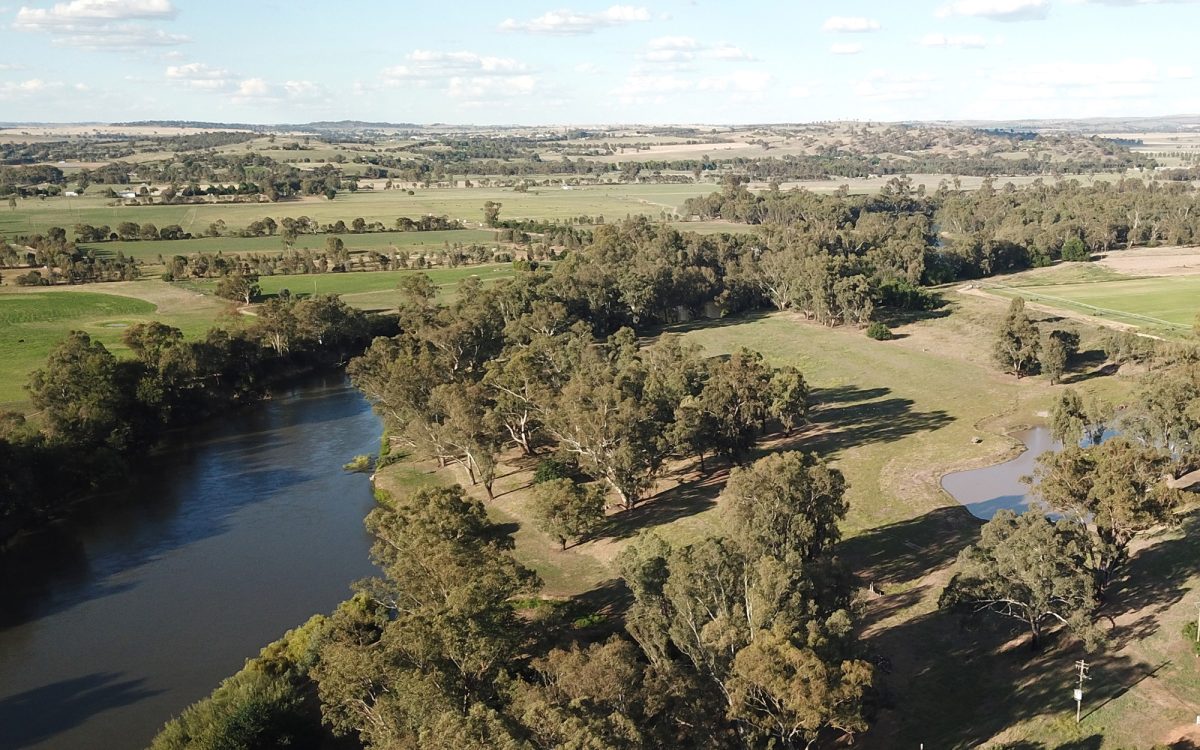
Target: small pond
<point x="987" y="490"/>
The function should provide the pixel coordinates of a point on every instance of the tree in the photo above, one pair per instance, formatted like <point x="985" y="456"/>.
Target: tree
<point x="1074" y="420"/>
<point x="1017" y="341"/>
<point x="79" y="394"/>
<point x="789" y="398"/>
<point x="1074" y="250"/>
<point x="1057" y="349"/>
<point x="1117" y="489"/>
<point x="785" y="691"/>
<point x="567" y="510"/>
<point x="491" y="213"/>
<point x="238" y="287"/>
<point x="1028" y="568"/>
<point x="786" y="506"/>
<point x="417" y="659"/>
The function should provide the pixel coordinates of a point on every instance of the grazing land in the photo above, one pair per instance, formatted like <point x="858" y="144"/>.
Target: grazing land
<point x="33" y="322"/>
<point x="1164" y="305"/>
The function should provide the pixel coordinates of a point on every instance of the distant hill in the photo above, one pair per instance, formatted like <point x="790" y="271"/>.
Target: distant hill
<point x="307" y="126"/>
<point x="1158" y="124"/>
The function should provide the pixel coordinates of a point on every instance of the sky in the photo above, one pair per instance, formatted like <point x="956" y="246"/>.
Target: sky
<point x="574" y="62"/>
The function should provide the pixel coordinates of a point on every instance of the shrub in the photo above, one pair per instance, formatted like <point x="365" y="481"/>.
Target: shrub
<point x="1189" y="632"/>
<point x="879" y="331"/>
<point x="549" y="469"/>
<point x="1074" y="249"/>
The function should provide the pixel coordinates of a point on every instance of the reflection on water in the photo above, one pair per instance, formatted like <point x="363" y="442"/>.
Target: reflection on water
<point x="987" y="490"/>
<point x="112" y="625"/>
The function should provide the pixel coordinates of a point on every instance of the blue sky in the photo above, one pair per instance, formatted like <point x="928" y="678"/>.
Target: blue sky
<point x="576" y="62"/>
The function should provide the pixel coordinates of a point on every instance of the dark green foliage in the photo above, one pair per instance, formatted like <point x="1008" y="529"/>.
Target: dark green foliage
<point x="879" y="331"/>
<point x="1018" y="341"/>
<point x="1074" y="250"/>
<point x="1030" y="569"/>
<point x="550" y="469"/>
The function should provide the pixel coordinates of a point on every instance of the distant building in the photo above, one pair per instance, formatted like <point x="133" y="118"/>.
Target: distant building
<point x="71" y="194"/>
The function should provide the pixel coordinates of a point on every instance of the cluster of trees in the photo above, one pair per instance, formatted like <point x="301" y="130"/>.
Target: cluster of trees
<point x="969" y="234"/>
<point x="1022" y="348"/>
<point x="1103" y="489"/>
<point x="97" y="409"/>
<point x="510" y="365"/>
<point x="335" y="258"/>
<point x="1044" y="572"/>
<point x="53" y="260"/>
<point x="128" y="230"/>
<point x="743" y="640"/>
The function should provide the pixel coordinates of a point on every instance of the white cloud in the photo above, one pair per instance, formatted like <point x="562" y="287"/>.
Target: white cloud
<point x="490" y="88"/>
<point x="997" y="10"/>
<point x="253" y="88"/>
<point x="846" y="49"/>
<point x="201" y="76"/>
<point x="962" y="41"/>
<point x="429" y="64"/>
<point x="31" y="87"/>
<point x="1180" y="71"/>
<point x="101" y="24"/>
<point x="725" y="51"/>
<point x="680" y="51"/>
<point x="79" y="12"/>
<point x="885" y="86"/>
<point x="743" y="82"/>
<point x="850" y="24"/>
<point x="800" y="91"/>
<point x="569" y="22"/>
<point x="11" y="66"/>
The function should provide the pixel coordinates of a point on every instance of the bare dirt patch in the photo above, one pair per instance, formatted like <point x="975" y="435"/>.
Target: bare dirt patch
<point x="1154" y="261"/>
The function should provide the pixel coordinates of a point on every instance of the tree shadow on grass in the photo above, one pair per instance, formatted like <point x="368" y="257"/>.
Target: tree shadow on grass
<point x="892" y="317"/>
<point x="956" y="683"/>
<point x="849" y="416"/>
<point x="681" y="501"/>
<point x="39" y="714"/>
<point x="909" y="549"/>
<point x="1155" y="579"/>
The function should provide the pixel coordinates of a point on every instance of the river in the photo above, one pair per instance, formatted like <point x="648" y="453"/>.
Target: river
<point x="152" y="595"/>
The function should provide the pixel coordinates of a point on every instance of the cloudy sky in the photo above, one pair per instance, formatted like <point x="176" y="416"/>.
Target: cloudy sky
<point x="577" y="61"/>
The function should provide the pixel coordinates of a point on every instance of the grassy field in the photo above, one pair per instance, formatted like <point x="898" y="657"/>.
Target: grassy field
<point x="149" y="250"/>
<point x="610" y="201"/>
<point x="32" y="323"/>
<point x="1164" y="305"/>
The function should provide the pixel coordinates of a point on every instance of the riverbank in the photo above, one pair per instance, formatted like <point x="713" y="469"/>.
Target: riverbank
<point x="241" y="529"/>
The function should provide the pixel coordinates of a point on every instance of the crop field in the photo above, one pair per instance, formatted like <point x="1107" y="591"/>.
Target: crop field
<point x="609" y="201"/>
<point x="414" y="241"/>
<point x="1164" y="305"/>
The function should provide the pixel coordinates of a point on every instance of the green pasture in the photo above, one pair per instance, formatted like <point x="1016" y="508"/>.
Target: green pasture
<point x="369" y="290"/>
<point x="414" y="241"/>
<point x="1161" y="304"/>
<point x="613" y="202"/>
<point x="31" y="324"/>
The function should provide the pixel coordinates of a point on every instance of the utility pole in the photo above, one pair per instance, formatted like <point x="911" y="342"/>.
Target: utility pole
<point x="1083" y="675"/>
